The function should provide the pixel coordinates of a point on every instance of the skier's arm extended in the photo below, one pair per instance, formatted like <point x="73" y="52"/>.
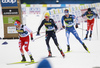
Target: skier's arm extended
<point x="40" y="27"/>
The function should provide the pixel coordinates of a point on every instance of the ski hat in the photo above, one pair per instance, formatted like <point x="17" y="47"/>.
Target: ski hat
<point x="47" y="14"/>
<point x="44" y="64"/>
<point x="89" y="9"/>
<point x="66" y="11"/>
<point x="17" y="22"/>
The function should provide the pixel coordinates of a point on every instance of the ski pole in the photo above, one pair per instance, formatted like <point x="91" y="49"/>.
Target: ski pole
<point x="39" y="37"/>
<point x="36" y="32"/>
<point x="82" y="29"/>
<point x="44" y="35"/>
<point x="97" y="28"/>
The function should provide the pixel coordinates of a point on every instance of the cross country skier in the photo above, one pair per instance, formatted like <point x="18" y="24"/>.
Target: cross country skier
<point x="23" y="32"/>
<point x="69" y="21"/>
<point x="50" y="32"/>
<point x="90" y="21"/>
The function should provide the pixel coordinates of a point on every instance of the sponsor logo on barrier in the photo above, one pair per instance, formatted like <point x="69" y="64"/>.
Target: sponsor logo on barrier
<point x="11" y="30"/>
<point x="7" y="3"/>
<point x="23" y="10"/>
<point x="10" y="11"/>
<point x="35" y="10"/>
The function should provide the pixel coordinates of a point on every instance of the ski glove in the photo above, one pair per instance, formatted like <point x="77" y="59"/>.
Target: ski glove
<point x="32" y="39"/>
<point x="63" y="27"/>
<point x="76" y="26"/>
<point x="82" y="16"/>
<point x="37" y="34"/>
<point x="56" y="29"/>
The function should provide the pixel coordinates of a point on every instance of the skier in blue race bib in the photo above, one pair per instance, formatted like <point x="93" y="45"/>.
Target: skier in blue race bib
<point x="69" y="21"/>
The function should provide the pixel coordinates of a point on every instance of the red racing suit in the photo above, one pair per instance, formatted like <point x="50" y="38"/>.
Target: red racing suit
<point x="24" y="38"/>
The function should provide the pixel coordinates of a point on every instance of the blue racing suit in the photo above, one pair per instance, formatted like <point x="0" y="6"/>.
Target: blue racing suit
<point x="69" y="21"/>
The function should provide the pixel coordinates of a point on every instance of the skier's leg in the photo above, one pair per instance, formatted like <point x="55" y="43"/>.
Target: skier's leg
<point x="78" y="38"/>
<point x="88" y="24"/>
<point x="92" y="24"/>
<point x="21" y="49"/>
<point x="68" y="35"/>
<point x="86" y="35"/>
<point x="74" y="32"/>
<point x="47" y="38"/>
<point x="54" y="38"/>
<point x="26" y="43"/>
<point x="56" y="43"/>
<point x="88" y="27"/>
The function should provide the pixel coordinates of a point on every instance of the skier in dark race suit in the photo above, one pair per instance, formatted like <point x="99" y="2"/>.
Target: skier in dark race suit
<point x="50" y="32"/>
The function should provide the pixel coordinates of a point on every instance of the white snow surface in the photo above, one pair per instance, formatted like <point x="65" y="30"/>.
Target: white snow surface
<point x="78" y="58"/>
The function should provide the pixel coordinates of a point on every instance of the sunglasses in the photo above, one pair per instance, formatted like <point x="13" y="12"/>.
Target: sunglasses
<point x="66" y="11"/>
<point x="46" y="16"/>
<point x="15" y="24"/>
<point x="89" y="11"/>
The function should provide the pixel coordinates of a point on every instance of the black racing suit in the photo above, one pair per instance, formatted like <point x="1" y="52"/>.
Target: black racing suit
<point x="50" y="31"/>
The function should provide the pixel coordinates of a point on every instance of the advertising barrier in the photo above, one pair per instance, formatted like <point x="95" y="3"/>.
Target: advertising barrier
<point x="11" y="11"/>
<point x="9" y="3"/>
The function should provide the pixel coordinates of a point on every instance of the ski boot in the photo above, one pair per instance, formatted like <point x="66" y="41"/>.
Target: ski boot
<point x="62" y="53"/>
<point x="86" y="37"/>
<point x="68" y="48"/>
<point x="23" y="58"/>
<point x="90" y="37"/>
<point x="86" y="48"/>
<point x="50" y="54"/>
<point x="32" y="60"/>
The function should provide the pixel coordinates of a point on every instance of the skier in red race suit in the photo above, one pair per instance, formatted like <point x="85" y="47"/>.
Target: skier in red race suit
<point x="23" y="32"/>
<point x="90" y="21"/>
